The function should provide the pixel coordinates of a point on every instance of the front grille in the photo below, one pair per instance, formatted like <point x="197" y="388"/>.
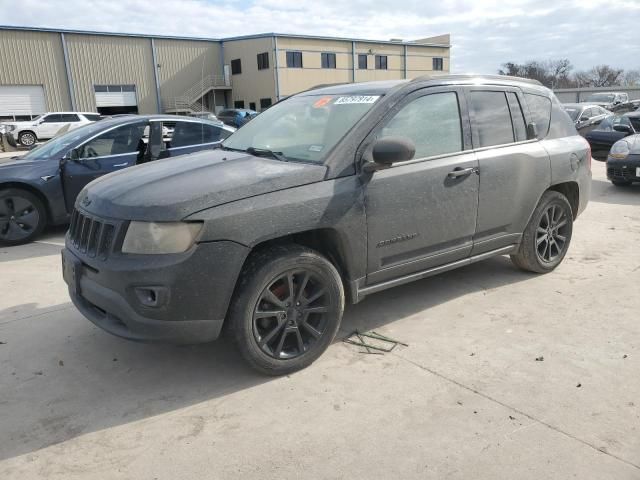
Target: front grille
<point x="90" y="235"/>
<point x="624" y="173"/>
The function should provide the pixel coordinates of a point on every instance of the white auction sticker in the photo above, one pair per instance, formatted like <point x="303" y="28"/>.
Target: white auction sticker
<point x="356" y="99"/>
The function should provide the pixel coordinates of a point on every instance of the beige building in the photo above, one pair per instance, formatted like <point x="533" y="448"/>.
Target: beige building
<point x="52" y="70"/>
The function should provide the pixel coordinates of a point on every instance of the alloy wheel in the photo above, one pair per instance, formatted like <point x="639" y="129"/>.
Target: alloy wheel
<point x="19" y="218"/>
<point x="27" y="139"/>
<point x="291" y="314"/>
<point x="551" y="234"/>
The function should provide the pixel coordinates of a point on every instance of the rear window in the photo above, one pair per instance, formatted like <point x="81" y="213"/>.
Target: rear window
<point x="492" y="119"/>
<point x="561" y="123"/>
<point x="540" y="109"/>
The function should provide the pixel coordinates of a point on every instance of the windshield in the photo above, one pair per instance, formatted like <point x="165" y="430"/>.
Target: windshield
<point x="601" y="98"/>
<point x="59" y="145"/>
<point x="302" y="128"/>
<point x="573" y="112"/>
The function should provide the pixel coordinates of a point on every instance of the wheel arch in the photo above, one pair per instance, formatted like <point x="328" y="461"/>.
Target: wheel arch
<point x="33" y="190"/>
<point x="571" y="191"/>
<point x="26" y="130"/>
<point x="326" y="241"/>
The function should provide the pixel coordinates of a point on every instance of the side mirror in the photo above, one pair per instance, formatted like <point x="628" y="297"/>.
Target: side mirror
<point x="532" y="131"/>
<point x="389" y="150"/>
<point x="621" y="127"/>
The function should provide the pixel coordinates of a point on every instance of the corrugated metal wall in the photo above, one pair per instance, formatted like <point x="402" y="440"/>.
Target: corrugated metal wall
<point x="184" y="63"/>
<point x="35" y="58"/>
<point x="105" y="60"/>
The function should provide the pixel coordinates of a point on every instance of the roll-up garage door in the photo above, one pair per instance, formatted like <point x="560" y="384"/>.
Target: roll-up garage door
<point x="21" y="100"/>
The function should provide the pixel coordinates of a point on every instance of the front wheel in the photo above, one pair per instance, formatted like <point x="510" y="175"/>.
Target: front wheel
<point x="547" y="237"/>
<point x="22" y="216"/>
<point x="287" y="308"/>
<point x="27" y="139"/>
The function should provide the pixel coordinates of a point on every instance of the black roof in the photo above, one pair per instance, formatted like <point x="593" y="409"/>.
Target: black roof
<point x="382" y="87"/>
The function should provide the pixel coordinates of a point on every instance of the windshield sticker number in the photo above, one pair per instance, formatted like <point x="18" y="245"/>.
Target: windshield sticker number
<point x="356" y="99"/>
<point x="322" y="102"/>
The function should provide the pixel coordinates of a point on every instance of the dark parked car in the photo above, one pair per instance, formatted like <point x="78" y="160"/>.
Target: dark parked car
<point x="623" y="162"/>
<point x="586" y="116"/>
<point x="236" y="117"/>
<point x="610" y="130"/>
<point x="332" y="194"/>
<point x="40" y="188"/>
<point x="617" y="102"/>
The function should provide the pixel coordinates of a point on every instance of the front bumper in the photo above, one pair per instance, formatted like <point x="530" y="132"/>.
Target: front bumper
<point x="626" y="169"/>
<point x="181" y="298"/>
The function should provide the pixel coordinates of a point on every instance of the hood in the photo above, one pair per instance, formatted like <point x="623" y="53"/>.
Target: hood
<point x="634" y="144"/>
<point x="173" y="188"/>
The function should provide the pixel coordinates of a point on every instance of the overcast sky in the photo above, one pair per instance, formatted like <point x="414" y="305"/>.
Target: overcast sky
<point x="484" y="33"/>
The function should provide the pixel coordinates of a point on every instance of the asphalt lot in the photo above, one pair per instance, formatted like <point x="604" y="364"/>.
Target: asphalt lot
<point x="466" y="398"/>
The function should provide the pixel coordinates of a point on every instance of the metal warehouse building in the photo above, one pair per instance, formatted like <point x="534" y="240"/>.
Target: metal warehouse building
<point x="61" y="70"/>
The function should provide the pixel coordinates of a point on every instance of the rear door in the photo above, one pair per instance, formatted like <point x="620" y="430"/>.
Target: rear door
<point x="422" y="213"/>
<point x="112" y="150"/>
<point x="514" y="171"/>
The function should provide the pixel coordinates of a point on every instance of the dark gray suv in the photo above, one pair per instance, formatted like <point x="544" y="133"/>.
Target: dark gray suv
<point x="334" y="193"/>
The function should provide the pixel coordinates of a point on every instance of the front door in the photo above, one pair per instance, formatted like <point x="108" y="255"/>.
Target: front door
<point x="115" y="149"/>
<point x="49" y="126"/>
<point x="422" y="213"/>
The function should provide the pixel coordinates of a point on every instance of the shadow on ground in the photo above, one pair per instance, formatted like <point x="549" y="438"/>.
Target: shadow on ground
<point x="49" y="243"/>
<point x="61" y="377"/>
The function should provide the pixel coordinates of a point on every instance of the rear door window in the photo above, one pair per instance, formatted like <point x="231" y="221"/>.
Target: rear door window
<point x="517" y="117"/>
<point x="92" y="117"/>
<point x="69" y="117"/>
<point x="540" y="109"/>
<point x="186" y="134"/>
<point x="432" y="122"/>
<point x="491" y="119"/>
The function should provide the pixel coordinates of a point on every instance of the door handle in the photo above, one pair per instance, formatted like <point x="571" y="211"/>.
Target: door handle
<point x="121" y="164"/>
<point x="462" y="172"/>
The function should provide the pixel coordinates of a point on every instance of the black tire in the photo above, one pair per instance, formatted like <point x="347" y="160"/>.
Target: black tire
<point x="273" y="334"/>
<point x="22" y="216"/>
<point x="621" y="183"/>
<point x="548" y="235"/>
<point x="27" y="138"/>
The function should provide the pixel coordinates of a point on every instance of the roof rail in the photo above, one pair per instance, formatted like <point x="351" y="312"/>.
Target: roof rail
<point x="465" y="76"/>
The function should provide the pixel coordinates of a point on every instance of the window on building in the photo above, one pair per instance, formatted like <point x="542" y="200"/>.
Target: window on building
<point x="328" y="60"/>
<point x="437" y="63"/>
<point x="236" y="66"/>
<point x="432" y="122"/>
<point x="263" y="61"/>
<point x="362" y="62"/>
<point x="381" y="62"/>
<point x="492" y="119"/>
<point x="114" y="88"/>
<point x="265" y="103"/>
<point x="294" y="59"/>
<point x="238" y="104"/>
<point x="252" y="105"/>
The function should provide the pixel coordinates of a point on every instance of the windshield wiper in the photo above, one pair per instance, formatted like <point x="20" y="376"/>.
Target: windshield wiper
<point x="264" y="152"/>
<point x="229" y="149"/>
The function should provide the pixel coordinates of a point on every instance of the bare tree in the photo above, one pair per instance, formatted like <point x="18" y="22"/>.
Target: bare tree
<point x="551" y="73"/>
<point x="600" y="76"/>
<point x="631" y="78"/>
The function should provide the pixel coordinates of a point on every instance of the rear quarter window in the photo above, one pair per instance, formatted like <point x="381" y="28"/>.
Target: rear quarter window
<point x="561" y="123"/>
<point x="540" y="109"/>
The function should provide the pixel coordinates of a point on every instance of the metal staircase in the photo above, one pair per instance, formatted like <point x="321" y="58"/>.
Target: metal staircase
<point x="191" y="100"/>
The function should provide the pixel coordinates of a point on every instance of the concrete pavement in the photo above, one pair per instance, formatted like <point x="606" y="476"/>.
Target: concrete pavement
<point x="466" y="398"/>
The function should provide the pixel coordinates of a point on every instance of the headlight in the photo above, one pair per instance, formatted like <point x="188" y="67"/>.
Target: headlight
<point x="619" y="150"/>
<point x="159" y="238"/>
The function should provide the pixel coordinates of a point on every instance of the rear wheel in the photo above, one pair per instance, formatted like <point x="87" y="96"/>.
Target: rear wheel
<point x="547" y="237"/>
<point x="287" y="308"/>
<point x="22" y="216"/>
<point x="27" y="138"/>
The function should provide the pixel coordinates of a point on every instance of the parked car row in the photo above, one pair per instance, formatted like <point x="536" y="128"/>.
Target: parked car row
<point x="40" y="188"/>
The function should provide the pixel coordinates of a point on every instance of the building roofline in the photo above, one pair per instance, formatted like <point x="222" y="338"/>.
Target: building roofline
<point x="219" y="40"/>
<point x="108" y="34"/>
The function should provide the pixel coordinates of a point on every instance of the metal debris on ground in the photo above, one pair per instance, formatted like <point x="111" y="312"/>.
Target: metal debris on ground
<point x="376" y="344"/>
